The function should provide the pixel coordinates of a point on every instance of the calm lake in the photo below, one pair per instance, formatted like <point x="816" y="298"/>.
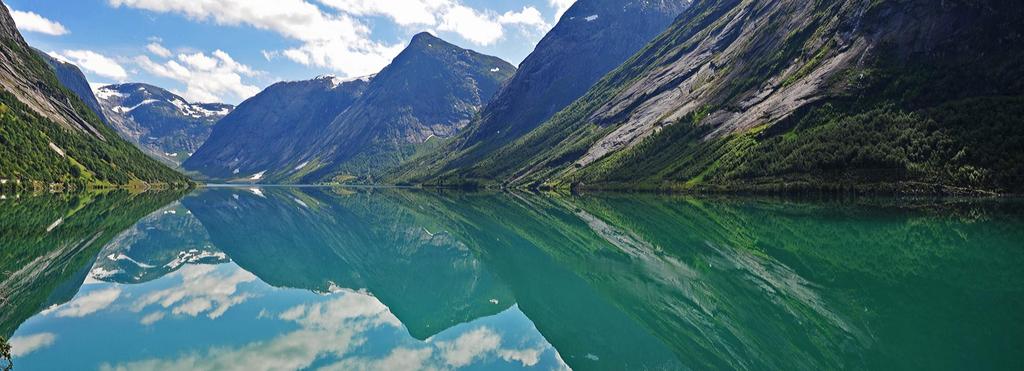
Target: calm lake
<point x="352" y="279"/>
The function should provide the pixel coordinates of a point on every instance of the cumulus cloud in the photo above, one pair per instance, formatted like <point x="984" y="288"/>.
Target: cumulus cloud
<point x="335" y="41"/>
<point x="203" y="289"/>
<point x="87" y="304"/>
<point x="560" y="6"/>
<point x="23" y="345"/>
<point x="158" y="50"/>
<point x="334" y="37"/>
<point x="32" y="22"/>
<point x="207" y="78"/>
<point x="331" y="328"/>
<point x="93" y="62"/>
<point x="480" y="27"/>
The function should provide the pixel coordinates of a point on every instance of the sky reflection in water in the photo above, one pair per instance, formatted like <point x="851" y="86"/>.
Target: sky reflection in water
<point x="287" y="278"/>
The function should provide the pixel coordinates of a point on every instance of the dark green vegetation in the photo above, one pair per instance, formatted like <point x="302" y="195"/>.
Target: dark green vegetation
<point x="48" y="241"/>
<point x="48" y="135"/>
<point x="5" y="355"/>
<point x="879" y="96"/>
<point x="25" y="153"/>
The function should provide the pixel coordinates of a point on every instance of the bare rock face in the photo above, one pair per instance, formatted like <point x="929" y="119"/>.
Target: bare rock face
<point x="328" y="129"/>
<point x="732" y="67"/>
<point x="591" y="39"/>
<point x="72" y="78"/>
<point x="23" y="75"/>
<point x="275" y="129"/>
<point x="163" y="124"/>
<point x="48" y="134"/>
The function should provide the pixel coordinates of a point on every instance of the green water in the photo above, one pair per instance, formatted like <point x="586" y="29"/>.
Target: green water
<point x="321" y="278"/>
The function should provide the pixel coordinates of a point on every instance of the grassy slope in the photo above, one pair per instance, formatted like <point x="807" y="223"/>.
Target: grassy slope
<point x="938" y="120"/>
<point x="25" y="136"/>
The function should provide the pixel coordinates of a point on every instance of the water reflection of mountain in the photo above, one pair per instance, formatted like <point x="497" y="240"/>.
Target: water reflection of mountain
<point x="158" y="244"/>
<point x="611" y="281"/>
<point x="619" y="282"/>
<point x="319" y="240"/>
<point x="766" y="285"/>
<point x="48" y="243"/>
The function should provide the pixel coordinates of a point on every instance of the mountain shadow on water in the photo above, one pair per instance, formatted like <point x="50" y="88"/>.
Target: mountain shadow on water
<point x="49" y="243"/>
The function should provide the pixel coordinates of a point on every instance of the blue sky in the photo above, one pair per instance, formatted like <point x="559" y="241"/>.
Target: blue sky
<point x="229" y="50"/>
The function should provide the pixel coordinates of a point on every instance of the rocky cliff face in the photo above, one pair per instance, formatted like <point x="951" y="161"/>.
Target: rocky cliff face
<point x="592" y="38"/>
<point x="72" y="78"/>
<point x="163" y="124"/>
<point x="431" y="89"/>
<point x="49" y="135"/>
<point x="712" y="99"/>
<point x="329" y="129"/>
<point x="275" y="130"/>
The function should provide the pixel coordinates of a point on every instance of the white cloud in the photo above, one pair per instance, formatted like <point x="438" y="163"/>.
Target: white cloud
<point x="93" y="62"/>
<point x="560" y="7"/>
<point x="398" y="359"/>
<point x="469" y="346"/>
<point x="23" y="345"/>
<point x="529" y="17"/>
<point x="472" y="25"/>
<point x="335" y="41"/>
<point x="87" y="304"/>
<point x="329" y="328"/>
<point x="402" y="12"/>
<point x="335" y="37"/>
<point x="32" y="22"/>
<point x="207" y="78"/>
<point x="158" y="50"/>
<point x="204" y="289"/>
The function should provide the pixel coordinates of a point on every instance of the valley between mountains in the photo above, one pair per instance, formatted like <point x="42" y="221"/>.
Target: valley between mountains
<point x="866" y="96"/>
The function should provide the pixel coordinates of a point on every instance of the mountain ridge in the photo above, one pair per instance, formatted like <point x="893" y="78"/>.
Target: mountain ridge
<point x="740" y="95"/>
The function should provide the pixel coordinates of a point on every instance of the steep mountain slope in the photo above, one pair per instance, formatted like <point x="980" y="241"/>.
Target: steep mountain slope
<point x="790" y="94"/>
<point x="275" y="128"/>
<point x="592" y="38"/>
<point x="164" y="125"/>
<point x="72" y="78"/>
<point x="431" y="89"/>
<point x="48" y="135"/>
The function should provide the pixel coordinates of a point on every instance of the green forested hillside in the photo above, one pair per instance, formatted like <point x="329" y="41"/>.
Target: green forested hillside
<point x="48" y="135"/>
<point x="894" y="96"/>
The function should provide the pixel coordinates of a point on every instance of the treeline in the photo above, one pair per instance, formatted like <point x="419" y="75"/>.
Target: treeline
<point x="26" y="153"/>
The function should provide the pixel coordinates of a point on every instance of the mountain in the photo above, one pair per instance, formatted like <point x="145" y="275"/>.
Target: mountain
<point x="592" y="38"/>
<point x="275" y="128"/>
<point x="790" y="95"/>
<point x="39" y="270"/>
<point x="163" y="124"/>
<point x="431" y="89"/>
<point x="72" y="78"/>
<point x="49" y="136"/>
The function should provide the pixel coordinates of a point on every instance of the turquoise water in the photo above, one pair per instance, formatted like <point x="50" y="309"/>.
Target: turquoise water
<point x="321" y="278"/>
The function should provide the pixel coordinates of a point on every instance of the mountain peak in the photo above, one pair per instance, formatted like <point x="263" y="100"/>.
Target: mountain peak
<point x="425" y="37"/>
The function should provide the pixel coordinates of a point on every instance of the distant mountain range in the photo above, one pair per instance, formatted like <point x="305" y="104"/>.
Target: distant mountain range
<point x="51" y="138"/>
<point x="163" y="124"/>
<point x="354" y="129"/>
<point x="908" y="96"/>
